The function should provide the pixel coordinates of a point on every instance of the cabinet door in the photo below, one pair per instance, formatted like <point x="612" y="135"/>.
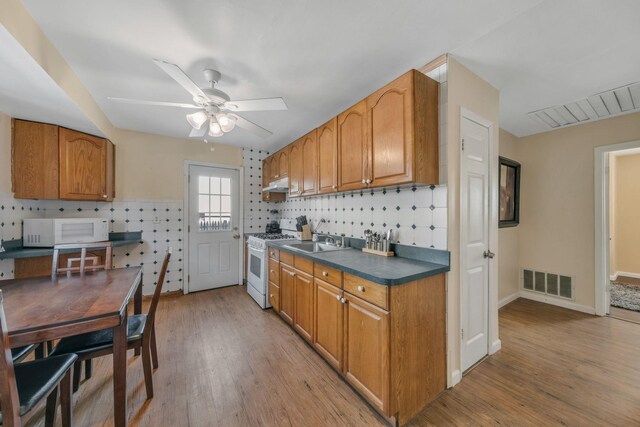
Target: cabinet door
<point x="266" y="171"/>
<point x="287" y="292"/>
<point x="328" y="157"/>
<point x="34" y="160"/>
<point x="274" y="297"/>
<point x="295" y="169"/>
<point x="303" y="319"/>
<point x="367" y="350"/>
<point x="283" y="162"/>
<point x="309" y="149"/>
<point x="353" y="150"/>
<point x="83" y="166"/>
<point x="329" y="310"/>
<point x="390" y="131"/>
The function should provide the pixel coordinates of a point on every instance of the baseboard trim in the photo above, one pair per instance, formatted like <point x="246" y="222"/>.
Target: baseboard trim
<point x="495" y="346"/>
<point x="627" y="274"/>
<point x="506" y="300"/>
<point x="456" y="377"/>
<point x="613" y="276"/>
<point x="557" y="302"/>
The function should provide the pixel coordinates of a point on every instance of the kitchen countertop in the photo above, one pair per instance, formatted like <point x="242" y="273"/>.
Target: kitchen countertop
<point x="388" y="271"/>
<point x="14" y="248"/>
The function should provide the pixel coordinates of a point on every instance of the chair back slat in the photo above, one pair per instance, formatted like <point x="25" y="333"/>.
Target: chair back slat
<point x="8" y="390"/>
<point x="81" y="265"/>
<point x="158" y="290"/>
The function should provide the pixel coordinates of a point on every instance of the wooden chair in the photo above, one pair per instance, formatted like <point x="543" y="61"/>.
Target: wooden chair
<point x="24" y="385"/>
<point x="80" y="264"/>
<point x="82" y="261"/>
<point x="140" y="335"/>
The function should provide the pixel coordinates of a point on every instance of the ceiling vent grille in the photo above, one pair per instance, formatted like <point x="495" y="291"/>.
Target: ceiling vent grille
<point x="623" y="100"/>
<point x="554" y="284"/>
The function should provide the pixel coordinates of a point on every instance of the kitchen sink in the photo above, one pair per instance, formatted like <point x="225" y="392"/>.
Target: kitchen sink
<point x="314" y="247"/>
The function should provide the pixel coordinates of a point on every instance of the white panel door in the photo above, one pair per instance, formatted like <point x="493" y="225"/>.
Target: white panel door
<point x="474" y="212"/>
<point x="214" y="236"/>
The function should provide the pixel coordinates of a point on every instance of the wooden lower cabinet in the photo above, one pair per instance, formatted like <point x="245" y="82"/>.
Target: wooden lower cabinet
<point x="303" y="319"/>
<point x="329" y="315"/>
<point x="274" y="296"/>
<point x="25" y="268"/>
<point x="388" y="342"/>
<point x="287" y="292"/>
<point x="367" y="350"/>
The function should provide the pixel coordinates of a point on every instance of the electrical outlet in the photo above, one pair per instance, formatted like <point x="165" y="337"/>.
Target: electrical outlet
<point x="156" y="220"/>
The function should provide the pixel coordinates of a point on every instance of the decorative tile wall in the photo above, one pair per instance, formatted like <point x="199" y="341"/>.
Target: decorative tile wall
<point x="418" y="215"/>
<point x="256" y="212"/>
<point x="161" y="223"/>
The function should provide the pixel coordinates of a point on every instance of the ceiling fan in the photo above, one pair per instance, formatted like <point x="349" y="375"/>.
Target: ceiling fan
<point x="216" y="113"/>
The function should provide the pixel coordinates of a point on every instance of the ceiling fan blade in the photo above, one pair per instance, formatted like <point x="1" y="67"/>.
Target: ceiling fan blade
<point x="180" y="76"/>
<point x="156" y="103"/>
<point x="199" y="133"/>
<point x="264" y="104"/>
<point x="251" y="127"/>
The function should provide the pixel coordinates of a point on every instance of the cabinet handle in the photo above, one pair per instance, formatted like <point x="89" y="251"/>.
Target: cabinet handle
<point x="361" y="288"/>
<point x="364" y="181"/>
<point x="277" y="176"/>
<point x="335" y="187"/>
<point x="325" y="274"/>
<point x="272" y="271"/>
<point x="292" y="274"/>
<point x="342" y="300"/>
<point x="104" y="196"/>
<point x="338" y="298"/>
<point x="270" y="295"/>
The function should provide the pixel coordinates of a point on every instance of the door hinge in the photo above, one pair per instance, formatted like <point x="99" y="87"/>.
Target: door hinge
<point x="462" y="144"/>
<point x="188" y="229"/>
<point x="461" y="334"/>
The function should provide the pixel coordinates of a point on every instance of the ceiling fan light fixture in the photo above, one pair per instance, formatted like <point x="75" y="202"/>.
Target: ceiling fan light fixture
<point x="215" y="129"/>
<point x="197" y="119"/>
<point x="227" y="122"/>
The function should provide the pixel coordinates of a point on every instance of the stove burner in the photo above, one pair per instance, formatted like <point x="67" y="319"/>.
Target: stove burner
<point x="273" y="236"/>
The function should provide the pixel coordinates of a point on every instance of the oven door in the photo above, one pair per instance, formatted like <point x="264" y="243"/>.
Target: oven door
<point x="257" y="270"/>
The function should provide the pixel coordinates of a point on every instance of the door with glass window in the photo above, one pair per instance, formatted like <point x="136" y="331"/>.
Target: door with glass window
<point x="214" y="234"/>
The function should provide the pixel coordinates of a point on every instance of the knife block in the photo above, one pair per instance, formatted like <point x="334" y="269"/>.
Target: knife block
<point x="305" y="234"/>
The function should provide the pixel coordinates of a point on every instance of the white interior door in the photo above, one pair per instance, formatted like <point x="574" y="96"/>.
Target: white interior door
<point x="474" y="231"/>
<point x="214" y="235"/>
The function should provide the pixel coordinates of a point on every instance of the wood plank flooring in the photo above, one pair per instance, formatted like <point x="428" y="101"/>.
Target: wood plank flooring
<point x="224" y="362"/>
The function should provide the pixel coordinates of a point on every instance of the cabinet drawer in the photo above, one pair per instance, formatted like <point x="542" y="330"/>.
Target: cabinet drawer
<point x="274" y="296"/>
<point x="286" y="258"/>
<point x="328" y="274"/>
<point x="274" y="271"/>
<point x="368" y="291"/>
<point x="303" y="264"/>
<point x="274" y="254"/>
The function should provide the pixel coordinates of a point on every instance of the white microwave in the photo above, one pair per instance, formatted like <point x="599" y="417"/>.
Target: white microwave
<point x="47" y="232"/>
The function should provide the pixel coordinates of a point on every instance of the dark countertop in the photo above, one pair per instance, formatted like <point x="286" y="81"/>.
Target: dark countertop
<point x="388" y="271"/>
<point x="14" y="248"/>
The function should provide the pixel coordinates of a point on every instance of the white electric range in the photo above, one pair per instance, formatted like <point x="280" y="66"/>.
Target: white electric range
<point x="258" y="261"/>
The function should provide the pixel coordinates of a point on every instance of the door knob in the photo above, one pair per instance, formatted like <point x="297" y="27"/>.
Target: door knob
<point x="488" y="254"/>
<point x="236" y="236"/>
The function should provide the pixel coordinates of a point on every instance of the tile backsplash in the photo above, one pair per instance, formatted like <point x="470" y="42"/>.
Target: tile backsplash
<point x="417" y="215"/>
<point x="256" y="212"/>
<point x="161" y="223"/>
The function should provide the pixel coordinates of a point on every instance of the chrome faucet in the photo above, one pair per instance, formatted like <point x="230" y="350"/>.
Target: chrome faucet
<point x="329" y="240"/>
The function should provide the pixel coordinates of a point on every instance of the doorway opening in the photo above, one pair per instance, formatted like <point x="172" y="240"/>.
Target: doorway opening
<point x="617" y="231"/>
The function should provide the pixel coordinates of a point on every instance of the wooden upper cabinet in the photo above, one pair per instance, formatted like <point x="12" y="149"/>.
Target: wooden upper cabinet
<point x="266" y="171"/>
<point x="402" y="120"/>
<point x="352" y="147"/>
<point x="35" y="165"/>
<point x="327" y="135"/>
<point x="295" y="169"/>
<point x="51" y="162"/>
<point x="283" y="162"/>
<point x="309" y="149"/>
<point x="85" y="166"/>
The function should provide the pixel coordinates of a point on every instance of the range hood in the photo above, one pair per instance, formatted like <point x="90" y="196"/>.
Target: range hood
<point x="279" y="186"/>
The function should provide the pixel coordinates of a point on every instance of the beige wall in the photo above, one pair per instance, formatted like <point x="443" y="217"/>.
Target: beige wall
<point x="465" y="89"/>
<point x="557" y="205"/>
<point x="509" y="269"/>
<point x="5" y="153"/>
<point x="626" y="200"/>
<point x="152" y="166"/>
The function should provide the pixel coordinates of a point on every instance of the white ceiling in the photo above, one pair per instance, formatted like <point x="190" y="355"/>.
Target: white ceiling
<point x="323" y="56"/>
<point x="27" y="91"/>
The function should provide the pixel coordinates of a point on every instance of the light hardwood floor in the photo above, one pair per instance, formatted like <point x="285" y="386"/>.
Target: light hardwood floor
<point x="224" y="362"/>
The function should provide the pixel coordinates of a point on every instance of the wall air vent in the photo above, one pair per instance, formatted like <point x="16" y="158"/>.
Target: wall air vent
<point x="554" y="284"/>
<point x="614" y="102"/>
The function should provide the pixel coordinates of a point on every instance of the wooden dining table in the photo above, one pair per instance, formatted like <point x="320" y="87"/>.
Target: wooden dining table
<point x="45" y="308"/>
